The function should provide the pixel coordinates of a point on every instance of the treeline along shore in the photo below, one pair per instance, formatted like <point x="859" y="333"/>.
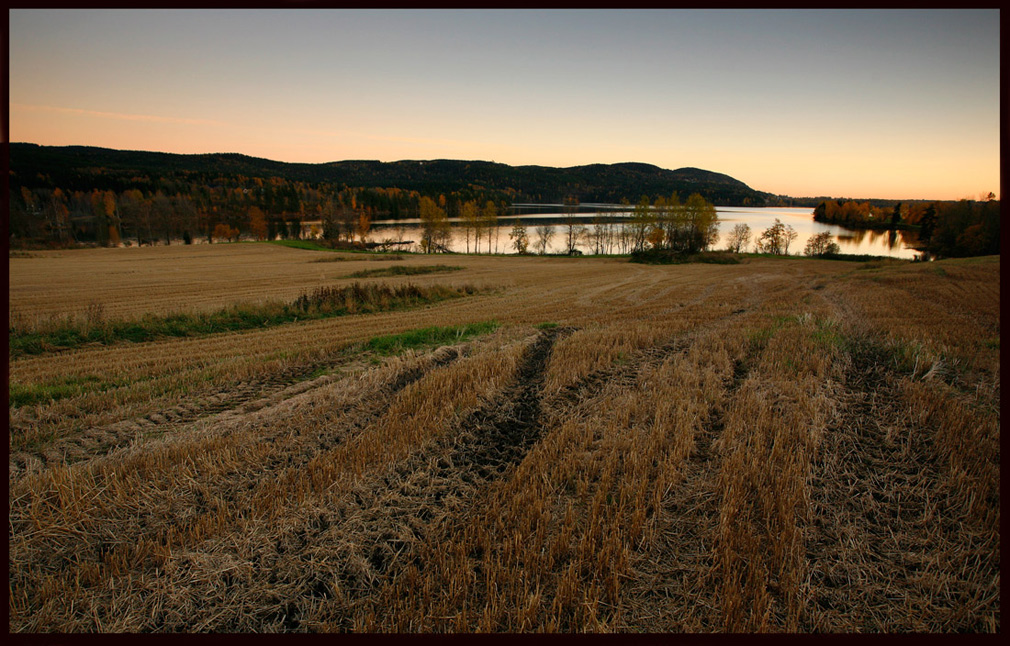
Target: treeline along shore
<point x="67" y="196"/>
<point x="947" y="229"/>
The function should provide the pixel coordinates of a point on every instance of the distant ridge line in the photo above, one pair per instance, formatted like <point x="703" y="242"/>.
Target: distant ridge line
<point x="76" y="166"/>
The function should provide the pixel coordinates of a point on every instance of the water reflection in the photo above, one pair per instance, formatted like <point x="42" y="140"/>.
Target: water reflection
<point x="608" y="220"/>
<point x="899" y="243"/>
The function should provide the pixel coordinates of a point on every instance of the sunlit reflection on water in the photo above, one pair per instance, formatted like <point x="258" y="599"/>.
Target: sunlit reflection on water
<point x="896" y="244"/>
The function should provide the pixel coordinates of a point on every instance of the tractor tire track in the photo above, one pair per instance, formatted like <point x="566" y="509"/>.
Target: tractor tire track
<point x="181" y="521"/>
<point x="677" y="589"/>
<point x="100" y="440"/>
<point x="874" y="526"/>
<point x="244" y="398"/>
<point x="395" y="511"/>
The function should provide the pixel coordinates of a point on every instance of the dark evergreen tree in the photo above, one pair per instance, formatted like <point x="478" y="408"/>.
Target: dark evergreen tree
<point x="927" y="223"/>
<point x="896" y="215"/>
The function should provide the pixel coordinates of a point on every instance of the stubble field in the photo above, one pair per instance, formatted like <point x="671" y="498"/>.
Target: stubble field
<point x="778" y="445"/>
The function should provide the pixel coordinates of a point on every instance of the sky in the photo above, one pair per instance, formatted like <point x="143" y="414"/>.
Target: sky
<point x="898" y="104"/>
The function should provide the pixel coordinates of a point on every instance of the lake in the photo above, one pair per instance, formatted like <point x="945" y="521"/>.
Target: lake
<point x="877" y="243"/>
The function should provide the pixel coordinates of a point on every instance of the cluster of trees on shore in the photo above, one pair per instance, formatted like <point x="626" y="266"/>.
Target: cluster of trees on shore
<point x="228" y="208"/>
<point x="773" y="240"/>
<point x="662" y="224"/>
<point x="61" y="195"/>
<point x="868" y="215"/>
<point x="186" y="205"/>
<point x="235" y="207"/>
<point x="946" y="228"/>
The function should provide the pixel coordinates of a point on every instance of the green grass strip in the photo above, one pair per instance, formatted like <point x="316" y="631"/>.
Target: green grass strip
<point x="429" y="336"/>
<point x="308" y="245"/>
<point x="319" y="304"/>
<point x="60" y="388"/>
<point x="403" y="270"/>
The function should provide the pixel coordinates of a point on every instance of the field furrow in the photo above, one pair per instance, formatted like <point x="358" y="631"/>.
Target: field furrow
<point x="219" y="463"/>
<point x="674" y="590"/>
<point x="882" y="520"/>
<point x="782" y="445"/>
<point x="245" y="396"/>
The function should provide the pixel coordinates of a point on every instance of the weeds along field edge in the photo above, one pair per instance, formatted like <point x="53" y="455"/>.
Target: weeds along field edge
<point x="320" y="303"/>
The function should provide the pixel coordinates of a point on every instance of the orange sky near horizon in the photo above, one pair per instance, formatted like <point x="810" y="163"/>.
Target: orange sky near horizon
<point x="890" y="116"/>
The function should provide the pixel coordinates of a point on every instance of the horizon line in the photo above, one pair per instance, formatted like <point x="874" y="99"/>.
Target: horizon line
<point x="486" y="161"/>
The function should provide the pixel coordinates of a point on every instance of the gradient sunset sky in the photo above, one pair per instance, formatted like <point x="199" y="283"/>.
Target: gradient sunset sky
<point x="898" y="104"/>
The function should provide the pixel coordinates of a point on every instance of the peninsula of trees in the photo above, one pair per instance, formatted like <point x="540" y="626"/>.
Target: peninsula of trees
<point x="946" y="229"/>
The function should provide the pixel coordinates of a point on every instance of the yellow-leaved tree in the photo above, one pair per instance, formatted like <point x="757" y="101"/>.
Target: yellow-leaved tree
<point x="434" y="226"/>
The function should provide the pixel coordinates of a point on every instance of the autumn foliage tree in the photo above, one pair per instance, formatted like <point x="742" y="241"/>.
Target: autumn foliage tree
<point x="434" y="226"/>
<point x="520" y="240"/>
<point x="57" y="216"/>
<point x="702" y="223"/>
<point x="257" y="223"/>
<point x="471" y="222"/>
<point x="103" y="208"/>
<point x="669" y="218"/>
<point x="776" y="238"/>
<point x="738" y="238"/>
<point x="642" y="221"/>
<point x="363" y="225"/>
<point x="224" y="232"/>
<point x="821" y="244"/>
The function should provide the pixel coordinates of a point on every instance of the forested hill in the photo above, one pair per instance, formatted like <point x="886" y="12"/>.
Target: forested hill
<point x="85" y="168"/>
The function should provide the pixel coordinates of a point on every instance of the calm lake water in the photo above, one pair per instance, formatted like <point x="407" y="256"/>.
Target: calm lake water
<point x="878" y="243"/>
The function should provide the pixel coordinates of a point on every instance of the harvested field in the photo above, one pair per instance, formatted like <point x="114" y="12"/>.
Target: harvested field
<point x="782" y="445"/>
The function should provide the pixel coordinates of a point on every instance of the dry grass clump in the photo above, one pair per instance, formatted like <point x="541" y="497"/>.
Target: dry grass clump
<point x="371" y="297"/>
<point x="91" y="316"/>
<point x="247" y="478"/>
<point x="772" y="429"/>
<point x="966" y="438"/>
<point x="591" y="350"/>
<point x="552" y="546"/>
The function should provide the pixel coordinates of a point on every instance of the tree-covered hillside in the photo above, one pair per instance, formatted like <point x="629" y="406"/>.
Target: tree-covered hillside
<point x="83" y="168"/>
